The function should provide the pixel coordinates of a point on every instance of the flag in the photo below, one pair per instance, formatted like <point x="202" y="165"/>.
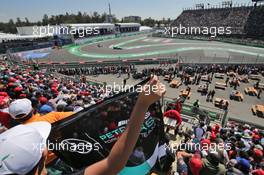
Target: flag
<point x="88" y="136"/>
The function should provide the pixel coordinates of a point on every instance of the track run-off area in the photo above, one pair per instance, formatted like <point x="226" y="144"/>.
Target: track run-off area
<point x="143" y="46"/>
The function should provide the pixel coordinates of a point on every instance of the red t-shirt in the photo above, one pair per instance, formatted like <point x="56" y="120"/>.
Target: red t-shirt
<point x="5" y="119"/>
<point x="174" y="115"/>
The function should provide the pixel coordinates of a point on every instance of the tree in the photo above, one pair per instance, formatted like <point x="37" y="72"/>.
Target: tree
<point x="27" y="23"/>
<point x="79" y="17"/>
<point x="86" y="18"/>
<point x="67" y="18"/>
<point x="18" y="22"/>
<point x="10" y="27"/>
<point x="45" y="20"/>
<point x="115" y="20"/>
<point x="103" y="18"/>
<point x="95" y="17"/>
<point x="149" y="22"/>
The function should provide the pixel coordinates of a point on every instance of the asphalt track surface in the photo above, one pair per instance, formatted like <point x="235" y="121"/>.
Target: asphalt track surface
<point x="142" y="46"/>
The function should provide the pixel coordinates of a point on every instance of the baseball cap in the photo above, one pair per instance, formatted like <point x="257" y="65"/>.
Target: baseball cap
<point x="43" y="100"/>
<point x="246" y="136"/>
<point x="256" y="136"/>
<point x="44" y="109"/>
<point x="23" y="95"/>
<point x="259" y="147"/>
<point x="22" y="146"/>
<point x="18" y="89"/>
<point x="258" y="153"/>
<point x="243" y="162"/>
<point x="20" y="106"/>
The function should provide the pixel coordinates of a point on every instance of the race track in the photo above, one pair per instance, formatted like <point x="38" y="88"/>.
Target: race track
<point x="142" y="46"/>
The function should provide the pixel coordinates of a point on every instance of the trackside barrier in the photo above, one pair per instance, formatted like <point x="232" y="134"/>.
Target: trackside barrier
<point x="107" y="37"/>
<point x="107" y="63"/>
<point x="259" y="43"/>
<point x="241" y="122"/>
<point x="77" y="79"/>
<point x="189" y="113"/>
<point x="170" y="60"/>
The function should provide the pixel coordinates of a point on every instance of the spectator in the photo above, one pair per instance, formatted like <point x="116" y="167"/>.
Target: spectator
<point x="199" y="131"/>
<point x="174" y="115"/>
<point x="212" y="165"/>
<point x="259" y="93"/>
<point x="15" y="141"/>
<point x="21" y="111"/>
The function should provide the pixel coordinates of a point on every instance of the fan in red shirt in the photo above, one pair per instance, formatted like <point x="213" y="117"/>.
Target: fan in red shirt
<point x="173" y="114"/>
<point x="177" y="105"/>
<point x="5" y="118"/>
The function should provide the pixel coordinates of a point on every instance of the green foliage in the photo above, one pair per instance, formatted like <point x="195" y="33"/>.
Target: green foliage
<point x="67" y="18"/>
<point x="10" y="27"/>
<point x="156" y="23"/>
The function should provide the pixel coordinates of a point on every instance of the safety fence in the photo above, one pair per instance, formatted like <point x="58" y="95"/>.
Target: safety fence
<point x="232" y="40"/>
<point x="107" y="37"/>
<point x="77" y="79"/>
<point x="190" y="113"/>
<point x="141" y="61"/>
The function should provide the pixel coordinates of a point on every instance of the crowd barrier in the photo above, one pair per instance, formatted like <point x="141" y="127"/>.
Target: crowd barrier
<point x="184" y="61"/>
<point x="189" y="113"/>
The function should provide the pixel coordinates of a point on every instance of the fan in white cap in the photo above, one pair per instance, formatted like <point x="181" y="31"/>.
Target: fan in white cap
<point x="22" y="146"/>
<point x="20" y="106"/>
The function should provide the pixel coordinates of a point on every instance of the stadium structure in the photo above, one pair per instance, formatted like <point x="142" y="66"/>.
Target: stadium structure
<point x="126" y="41"/>
<point x="211" y="80"/>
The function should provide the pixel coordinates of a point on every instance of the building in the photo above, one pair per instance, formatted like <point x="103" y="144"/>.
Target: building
<point x="68" y="30"/>
<point x="136" y="19"/>
<point x="78" y="30"/>
<point x="127" y="27"/>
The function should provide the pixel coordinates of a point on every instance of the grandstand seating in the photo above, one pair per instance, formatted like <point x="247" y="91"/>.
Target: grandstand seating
<point x="242" y="20"/>
<point x="255" y="23"/>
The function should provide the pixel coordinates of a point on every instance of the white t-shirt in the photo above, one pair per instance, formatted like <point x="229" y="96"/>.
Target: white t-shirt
<point x="199" y="133"/>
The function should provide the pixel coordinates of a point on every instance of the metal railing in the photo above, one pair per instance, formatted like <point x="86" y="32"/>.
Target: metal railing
<point x="189" y="112"/>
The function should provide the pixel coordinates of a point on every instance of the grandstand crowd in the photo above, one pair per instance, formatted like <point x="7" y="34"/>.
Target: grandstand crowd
<point x="232" y="150"/>
<point x="245" y="22"/>
<point x="46" y="92"/>
<point x="97" y="70"/>
<point x="166" y="69"/>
